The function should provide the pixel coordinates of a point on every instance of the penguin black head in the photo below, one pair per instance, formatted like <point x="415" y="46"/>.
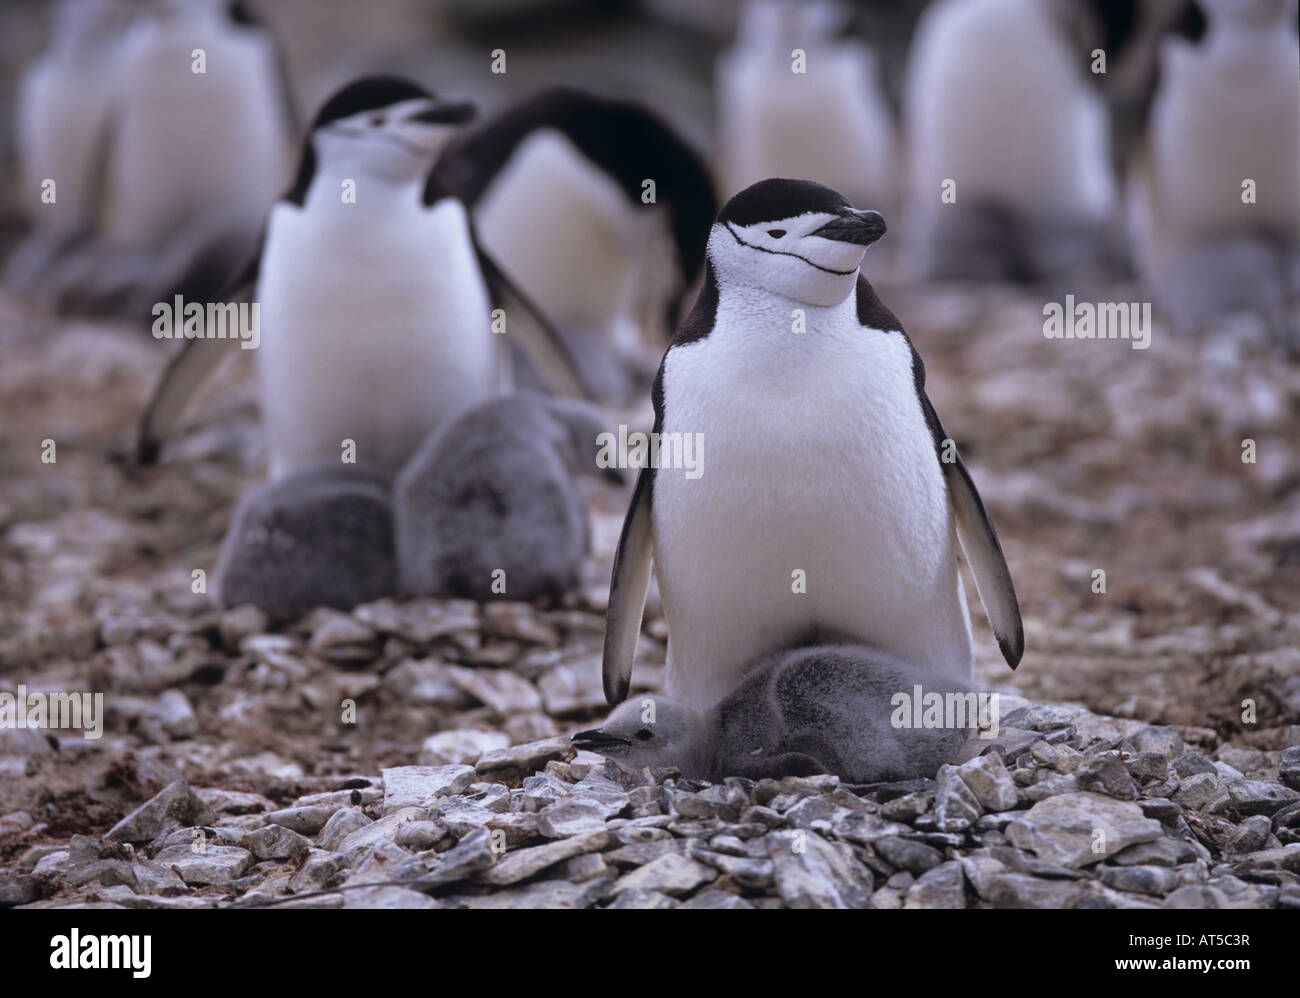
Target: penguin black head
<point x="793" y="238"/>
<point x="382" y="127"/>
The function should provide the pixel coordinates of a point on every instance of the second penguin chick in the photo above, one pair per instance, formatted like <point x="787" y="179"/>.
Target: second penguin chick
<point x="322" y="536"/>
<point x="795" y="713"/>
<point x="488" y="507"/>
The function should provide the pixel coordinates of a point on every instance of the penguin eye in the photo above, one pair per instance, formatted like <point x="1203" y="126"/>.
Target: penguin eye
<point x="645" y="734"/>
<point x="378" y="121"/>
<point x="776" y="233"/>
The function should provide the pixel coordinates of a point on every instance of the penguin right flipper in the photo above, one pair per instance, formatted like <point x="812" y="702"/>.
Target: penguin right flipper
<point x="188" y="368"/>
<point x="979" y="540"/>
<point x="629" y="583"/>
<point x="542" y="344"/>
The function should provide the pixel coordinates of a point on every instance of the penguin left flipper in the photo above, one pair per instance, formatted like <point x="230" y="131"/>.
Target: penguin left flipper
<point x="539" y="340"/>
<point x="979" y="541"/>
<point x="188" y="368"/>
<point x="629" y="583"/>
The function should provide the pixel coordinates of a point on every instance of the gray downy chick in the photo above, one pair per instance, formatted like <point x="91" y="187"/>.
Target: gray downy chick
<point x="322" y="536"/>
<point x="493" y="491"/>
<point x="797" y="712"/>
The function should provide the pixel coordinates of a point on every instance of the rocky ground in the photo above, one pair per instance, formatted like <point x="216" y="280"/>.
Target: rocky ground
<point x="1149" y="746"/>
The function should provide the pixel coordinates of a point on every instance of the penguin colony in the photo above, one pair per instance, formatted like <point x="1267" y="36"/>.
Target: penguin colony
<point x="450" y="306"/>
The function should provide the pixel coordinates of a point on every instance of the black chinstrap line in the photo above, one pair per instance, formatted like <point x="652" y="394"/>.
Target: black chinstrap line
<point x="763" y="249"/>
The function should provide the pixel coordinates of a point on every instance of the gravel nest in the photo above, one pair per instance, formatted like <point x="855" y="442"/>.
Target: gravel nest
<point x="1063" y="809"/>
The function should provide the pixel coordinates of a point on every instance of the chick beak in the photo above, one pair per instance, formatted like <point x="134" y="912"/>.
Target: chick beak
<point x="597" y="740"/>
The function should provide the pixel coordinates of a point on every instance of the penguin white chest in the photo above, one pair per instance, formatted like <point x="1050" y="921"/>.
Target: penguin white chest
<point x="819" y="510"/>
<point x="376" y="325"/>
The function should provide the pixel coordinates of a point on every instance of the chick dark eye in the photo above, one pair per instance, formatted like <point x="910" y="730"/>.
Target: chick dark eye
<point x="378" y="120"/>
<point x="645" y="734"/>
<point x="776" y="233"/>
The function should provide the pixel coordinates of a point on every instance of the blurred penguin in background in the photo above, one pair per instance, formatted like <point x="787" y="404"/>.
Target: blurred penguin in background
<point x="599" y="211"/>
<point x="60" y="127"/>
<point x="200" y="145"/>
<point x="1009" y="173"/>
<point x="820" y="115"/>
<point x="1214" y="179"/>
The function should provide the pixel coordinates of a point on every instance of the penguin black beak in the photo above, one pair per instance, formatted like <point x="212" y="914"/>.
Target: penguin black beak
<point x="597" y="740"/>
<point x="862" y="228"/>
<point x="447" y="111"/>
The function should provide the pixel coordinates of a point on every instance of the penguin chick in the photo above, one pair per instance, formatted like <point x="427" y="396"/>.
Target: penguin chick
<point x="322" y="536"/>
<point x="492" y="491"/>
<point x="795" y="713"/>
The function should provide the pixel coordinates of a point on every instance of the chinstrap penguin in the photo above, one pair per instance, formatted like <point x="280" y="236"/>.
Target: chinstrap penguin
<point x="556" y="185"/>
<point x="795" y="713"/>
<point x="322" y="537"/>
<point x="488" y="508"/>
<point x="374" y="294"/>
<point x="832" y="500"/>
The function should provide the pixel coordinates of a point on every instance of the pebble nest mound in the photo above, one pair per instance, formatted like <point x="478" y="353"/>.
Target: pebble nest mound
<point x="1063" y="809"/>
<point x="1148" y="746"/>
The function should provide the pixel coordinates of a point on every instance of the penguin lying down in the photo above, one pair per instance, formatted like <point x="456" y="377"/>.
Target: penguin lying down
<point x="796" y="713"/>
<point x="488" y="498"/>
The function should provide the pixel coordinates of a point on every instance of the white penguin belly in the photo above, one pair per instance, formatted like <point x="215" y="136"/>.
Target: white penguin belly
<point x="374" y="329"/>
<point x="816" y="460"/>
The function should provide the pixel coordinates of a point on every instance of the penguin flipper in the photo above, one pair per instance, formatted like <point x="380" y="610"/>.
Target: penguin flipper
<point x="979" y="541"/>
<point x="188" y="368"/>
<point x="629" y="583"/>
<point x="541" y="343"/>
